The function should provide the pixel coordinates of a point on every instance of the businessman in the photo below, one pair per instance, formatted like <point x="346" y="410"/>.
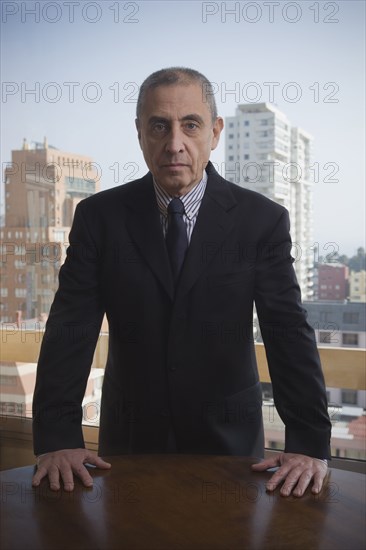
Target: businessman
<point x="176" y="260"/>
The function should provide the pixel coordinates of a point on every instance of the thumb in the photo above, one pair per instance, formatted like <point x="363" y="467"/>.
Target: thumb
<point x="92" y="458"/>
<point x="265" y="464"/>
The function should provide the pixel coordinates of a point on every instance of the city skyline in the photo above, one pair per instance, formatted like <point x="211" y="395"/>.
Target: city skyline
<point x="75" y="81"/>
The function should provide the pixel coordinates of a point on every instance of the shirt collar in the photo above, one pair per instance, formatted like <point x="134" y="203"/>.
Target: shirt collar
<point x="191" y="201"/>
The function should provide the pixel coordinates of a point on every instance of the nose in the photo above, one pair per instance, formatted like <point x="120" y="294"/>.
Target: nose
<point x="175" y="142"/>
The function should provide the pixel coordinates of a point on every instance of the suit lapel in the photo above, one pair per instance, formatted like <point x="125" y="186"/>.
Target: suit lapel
<point x="144" y="226"/>
<point x="213" y="223"/>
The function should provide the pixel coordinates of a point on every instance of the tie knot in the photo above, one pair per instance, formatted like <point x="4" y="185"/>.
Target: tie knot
<point x="176" y="206"/>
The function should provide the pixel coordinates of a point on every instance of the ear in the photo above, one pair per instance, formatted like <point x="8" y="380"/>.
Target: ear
<point x="138" y="128"/>
<point x="216" y="131"/>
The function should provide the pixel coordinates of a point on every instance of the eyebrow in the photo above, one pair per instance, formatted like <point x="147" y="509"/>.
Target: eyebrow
<point x="192" y="116"/>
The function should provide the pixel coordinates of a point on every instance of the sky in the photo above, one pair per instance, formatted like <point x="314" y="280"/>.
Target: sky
<point x="85" y="60"/>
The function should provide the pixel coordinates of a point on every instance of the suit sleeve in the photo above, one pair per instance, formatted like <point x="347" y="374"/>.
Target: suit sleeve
<point x="68" y="345"/>
<point x="293" y="359"/>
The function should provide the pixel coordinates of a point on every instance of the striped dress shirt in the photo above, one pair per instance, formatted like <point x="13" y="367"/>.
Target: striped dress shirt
<point x="191" y="202"/>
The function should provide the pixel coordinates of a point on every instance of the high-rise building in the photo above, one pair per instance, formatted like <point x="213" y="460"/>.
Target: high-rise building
<point x="43" y="185"/>
<point x="266" y="154"/>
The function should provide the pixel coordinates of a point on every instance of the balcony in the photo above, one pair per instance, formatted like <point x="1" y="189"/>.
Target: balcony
<point x="343" y="368"/>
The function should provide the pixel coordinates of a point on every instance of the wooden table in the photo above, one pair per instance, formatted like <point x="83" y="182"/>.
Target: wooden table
<point x="185" y="502"/>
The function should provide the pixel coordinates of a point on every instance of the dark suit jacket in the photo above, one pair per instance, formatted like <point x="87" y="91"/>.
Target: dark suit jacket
<point x="181" y="360"/>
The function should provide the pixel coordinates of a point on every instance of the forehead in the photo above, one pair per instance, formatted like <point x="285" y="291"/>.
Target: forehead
<point x="176" y="101"/>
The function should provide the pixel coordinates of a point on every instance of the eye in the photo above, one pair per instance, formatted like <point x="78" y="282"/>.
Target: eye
<point x="159" y="127"/>
<point x="191" y="126"/>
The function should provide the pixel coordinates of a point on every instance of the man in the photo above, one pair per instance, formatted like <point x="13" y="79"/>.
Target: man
<point x="176" y="259"/>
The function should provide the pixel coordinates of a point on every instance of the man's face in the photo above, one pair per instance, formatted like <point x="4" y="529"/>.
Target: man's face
<point x="176" y="135"/>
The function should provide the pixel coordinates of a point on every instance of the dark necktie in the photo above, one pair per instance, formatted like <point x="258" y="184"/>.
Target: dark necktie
<point x="176" y="238"/>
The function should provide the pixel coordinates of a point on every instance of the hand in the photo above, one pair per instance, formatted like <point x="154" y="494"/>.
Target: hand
<point x="67" y="463"/>
<point x="296" y="471"/>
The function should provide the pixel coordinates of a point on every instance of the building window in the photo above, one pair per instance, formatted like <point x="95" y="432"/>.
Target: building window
<point x="231" y="125"/>
<point x="246" y="122"/>
<point x="349" y="339"/>
<point x="351" y="317"/>
<point x="20" y="292"/>
<point x="349" y="397"/>
<point x="231" y="136"/>
<point x="246" y="157"/>
<point x="231" y="157"/>
<point x="325" y="337"/>
<point x="325" y="316"/>
<point x="246" y="134"/>
<point x="6" y="380"/>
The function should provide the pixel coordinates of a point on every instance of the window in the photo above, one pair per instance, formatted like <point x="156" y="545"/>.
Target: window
<point x="325" y="316"/>
<point x="6" y="380"/>
<point x="349" y="397"/>
<point x="351" y="317"/>
<point x="246" y="157"/>
<point x="325" y="337"/>
<point x="246" y="122"/>
<point x="231" y="157"/>
<point x="20" y="292"/>
<point x="349" y="339"/>
<point x="231" y="136"/>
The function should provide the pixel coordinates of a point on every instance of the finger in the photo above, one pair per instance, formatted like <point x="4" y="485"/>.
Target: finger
<point x="303" y="482"/>
<point x="38" y="476"/>
<point x="67" y="478"/>
<point x="54" y="478"/>
<point x="82" y="473"/>
<point x="319" y="478"/>
<point x="278" y="477"/>
<point x="265" y="464"/>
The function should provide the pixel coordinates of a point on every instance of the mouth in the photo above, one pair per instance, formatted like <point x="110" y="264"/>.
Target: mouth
<point x="174" y="165"/>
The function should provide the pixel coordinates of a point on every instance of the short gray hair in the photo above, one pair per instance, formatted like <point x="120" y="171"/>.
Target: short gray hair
<point x="177" y="75"/>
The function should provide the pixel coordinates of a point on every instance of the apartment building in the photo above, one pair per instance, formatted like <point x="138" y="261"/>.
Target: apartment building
<point x="265" y="153"/>
<point x="43" y="185"/>
<point x="333" y="281"/>
<point x="357" y="286"/>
